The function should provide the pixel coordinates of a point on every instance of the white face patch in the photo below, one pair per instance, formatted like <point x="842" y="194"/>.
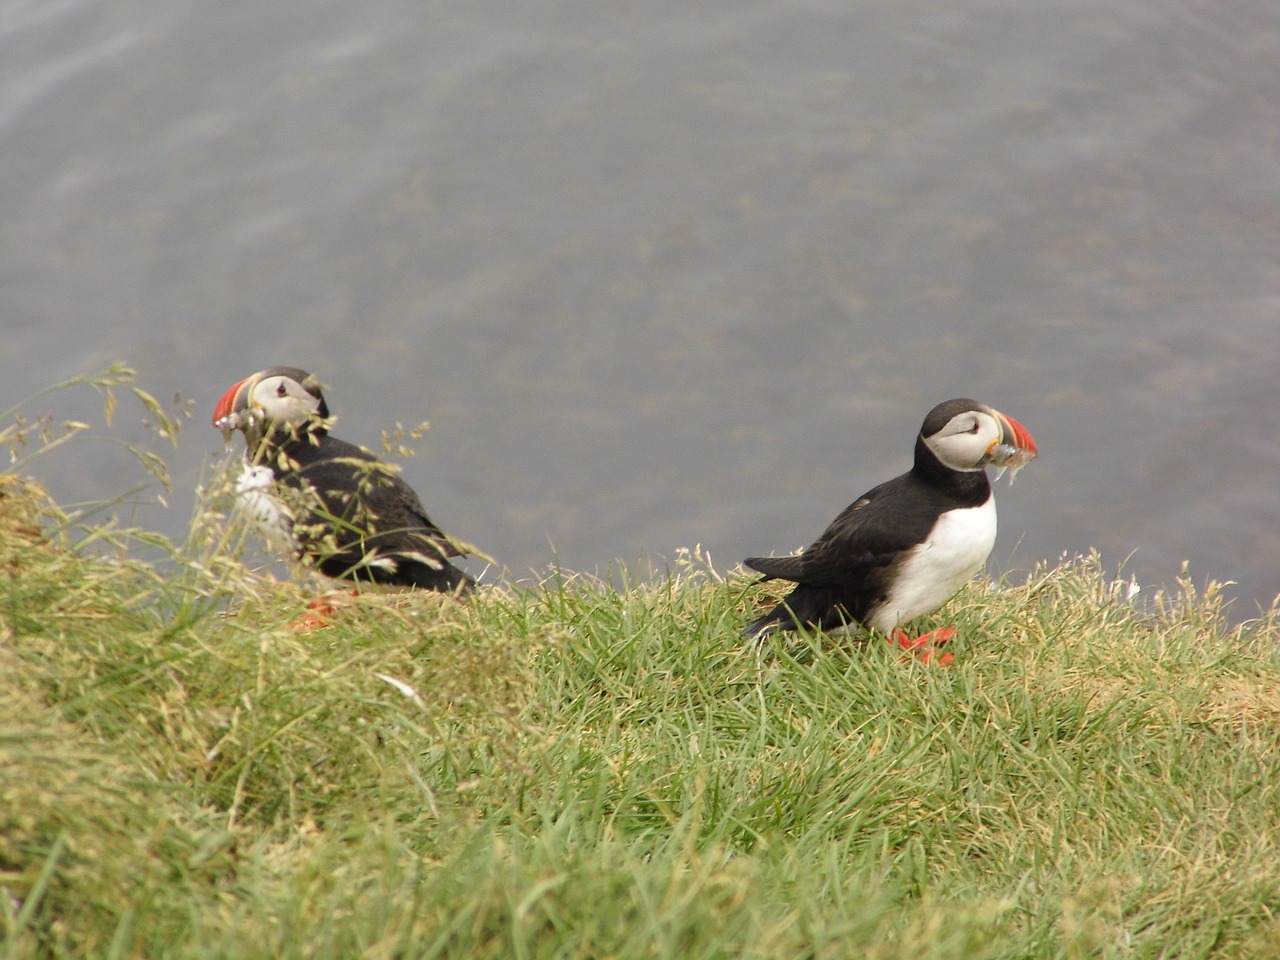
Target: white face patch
<point x="955" y="550"/>
<point x="963" y="443"/>
<point x="283" y="401"/>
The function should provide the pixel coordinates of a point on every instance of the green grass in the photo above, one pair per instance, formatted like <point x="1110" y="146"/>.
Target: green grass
<point x="572" y="770"/>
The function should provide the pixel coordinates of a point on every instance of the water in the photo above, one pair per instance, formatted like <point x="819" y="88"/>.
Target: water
<point x="670" y="274"/>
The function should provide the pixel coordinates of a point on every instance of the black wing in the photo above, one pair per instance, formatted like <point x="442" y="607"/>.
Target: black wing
<point x="845" y="573"/>
<point x="869" y="534"/>
<point x="369" y="511"/>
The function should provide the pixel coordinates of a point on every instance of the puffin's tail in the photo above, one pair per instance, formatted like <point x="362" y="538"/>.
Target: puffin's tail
<point x="806" y="607"/>
<point x="780" y="617"/>
<point x="771" y="622"/>
<point x="445" y="579"/>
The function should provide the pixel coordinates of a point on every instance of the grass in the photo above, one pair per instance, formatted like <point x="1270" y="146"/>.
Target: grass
<point x="572" y="770"/>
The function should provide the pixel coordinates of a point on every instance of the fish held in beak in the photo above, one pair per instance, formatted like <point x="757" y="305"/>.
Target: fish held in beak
<point x="1015" y="449"/>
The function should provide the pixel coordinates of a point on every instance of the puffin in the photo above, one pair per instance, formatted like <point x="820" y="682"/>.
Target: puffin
<point x="904" y="547"/>
<point x="332" y="504"/>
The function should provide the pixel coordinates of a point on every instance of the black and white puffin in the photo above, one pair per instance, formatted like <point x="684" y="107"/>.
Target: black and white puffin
<point x="334" y="504"/>
<point x="904" y="548"/>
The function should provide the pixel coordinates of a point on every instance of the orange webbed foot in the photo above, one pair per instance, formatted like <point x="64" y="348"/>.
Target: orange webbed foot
<point x="927" y="647"/>
<point x="320" y="611"/>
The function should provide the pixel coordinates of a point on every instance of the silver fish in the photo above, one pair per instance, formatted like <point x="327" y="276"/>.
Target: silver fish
<point x="236" y="421"/>
<point x="1005" y="456"/>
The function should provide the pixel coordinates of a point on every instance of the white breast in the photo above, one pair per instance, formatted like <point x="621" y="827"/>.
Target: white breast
<point x="955" y="549"/>
<point x="271" y="516"/>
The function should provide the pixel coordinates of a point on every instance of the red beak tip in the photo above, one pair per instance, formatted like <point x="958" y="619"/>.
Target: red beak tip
<point x="227" y="405"/>
<point x="1027" y="442"/>
<point x="1022" y="437"/>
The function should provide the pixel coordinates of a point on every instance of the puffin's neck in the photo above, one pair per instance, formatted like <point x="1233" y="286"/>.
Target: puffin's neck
<point x="929" y="468"/>
<point x="270" y="447"/>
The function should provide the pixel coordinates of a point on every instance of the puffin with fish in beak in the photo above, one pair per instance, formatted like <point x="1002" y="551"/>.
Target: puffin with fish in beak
<point x="905" y="547"/>
<point x="333" y="504"/>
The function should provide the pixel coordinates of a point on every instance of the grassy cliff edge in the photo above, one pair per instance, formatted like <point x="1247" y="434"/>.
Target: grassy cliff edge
<point x="572" y="770"/>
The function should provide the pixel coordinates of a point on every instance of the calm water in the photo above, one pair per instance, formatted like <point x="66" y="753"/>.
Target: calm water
<point x="669" y="274"/>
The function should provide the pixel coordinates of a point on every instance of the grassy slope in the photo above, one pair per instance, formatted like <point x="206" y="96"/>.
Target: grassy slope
<point x="573" y="771"/>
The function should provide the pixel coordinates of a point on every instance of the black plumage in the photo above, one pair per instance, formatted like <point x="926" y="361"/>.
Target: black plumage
<point x="844" y="575"/>
<point x="369" y="524"/>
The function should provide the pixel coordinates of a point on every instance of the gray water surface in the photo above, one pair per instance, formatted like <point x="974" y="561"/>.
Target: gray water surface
<point x="669" y="274"/>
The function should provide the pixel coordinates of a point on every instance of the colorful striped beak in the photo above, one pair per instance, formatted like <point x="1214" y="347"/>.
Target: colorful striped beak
<point x="1015" y="448"/>
<point x="1015" y="434"/>
<point x="229" y="414"/>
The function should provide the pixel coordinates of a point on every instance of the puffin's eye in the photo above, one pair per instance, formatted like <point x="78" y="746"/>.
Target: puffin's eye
<point x="281" y="391"/>
<point x="974" y="428"/>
